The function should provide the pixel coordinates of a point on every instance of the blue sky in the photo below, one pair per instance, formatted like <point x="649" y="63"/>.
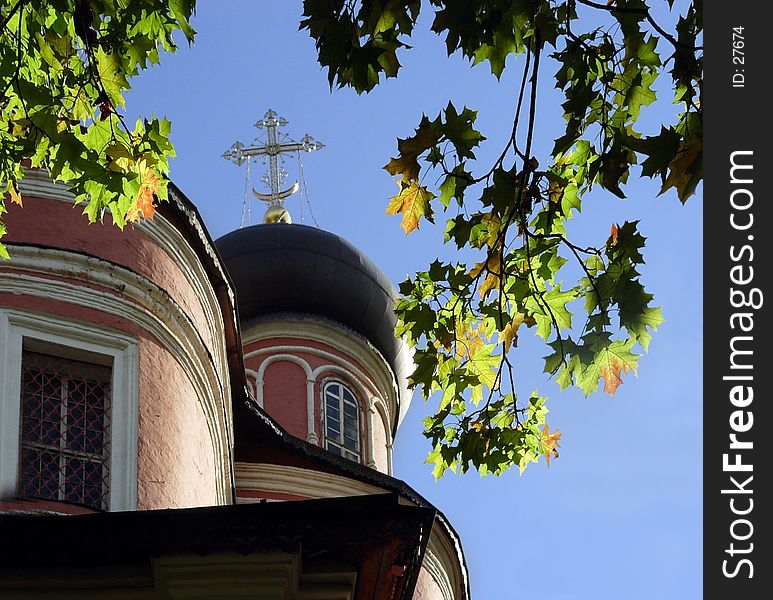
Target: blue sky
<point x="619" y="514"/>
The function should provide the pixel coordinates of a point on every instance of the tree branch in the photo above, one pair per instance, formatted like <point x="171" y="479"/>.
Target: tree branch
<point x="12" y="12"/>
<point x="646" y="13"/>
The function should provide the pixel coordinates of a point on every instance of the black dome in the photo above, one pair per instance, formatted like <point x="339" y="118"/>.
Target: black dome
<point x="282" y="268"/>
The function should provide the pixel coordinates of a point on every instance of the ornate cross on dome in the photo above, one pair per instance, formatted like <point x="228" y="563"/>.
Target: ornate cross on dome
<point x="276" y="175"/>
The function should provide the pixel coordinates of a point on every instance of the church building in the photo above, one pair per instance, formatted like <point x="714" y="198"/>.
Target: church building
<point x="189" y="418"/>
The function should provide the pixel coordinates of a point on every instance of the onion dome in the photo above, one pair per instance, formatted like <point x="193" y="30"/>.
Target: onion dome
<point x="281" y="268"/>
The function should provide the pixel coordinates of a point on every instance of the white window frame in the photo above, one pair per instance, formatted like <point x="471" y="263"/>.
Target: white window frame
<point x="15" y="327"/>
<point x="360" y="419"/>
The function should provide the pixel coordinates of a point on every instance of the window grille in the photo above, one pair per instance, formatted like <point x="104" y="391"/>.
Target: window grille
<point x="342" y="423"/>
<point x="65" y="408"/>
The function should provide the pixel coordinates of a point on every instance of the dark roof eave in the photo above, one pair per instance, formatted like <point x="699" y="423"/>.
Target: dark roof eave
<point x="272" y="433"/>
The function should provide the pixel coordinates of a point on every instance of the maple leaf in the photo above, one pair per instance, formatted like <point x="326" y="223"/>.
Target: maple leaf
<point x="144" y="202"/>
<point x="509" y="334"/>
<point x="686" y="170"/>
<point x="491" y="282"/>
<point x="613" y="234"/>
<point x="13" y="191"/>
<point x="615" y="361"/>
<point x="549" y="442"/>
<point x="468" y="340"/>
<point x="406" y="166"/>
<point x="413" y="202"/>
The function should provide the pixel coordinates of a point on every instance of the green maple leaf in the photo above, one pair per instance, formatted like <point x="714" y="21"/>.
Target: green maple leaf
<point x="112" y="75"/>
<point x="610" y="363"/>
<point x="458" y="129"/>
<point x="639" y="93"/>
<point x="556" y="301"/>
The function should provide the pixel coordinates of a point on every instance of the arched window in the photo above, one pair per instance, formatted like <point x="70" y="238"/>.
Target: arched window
<point x="342" y="421"/>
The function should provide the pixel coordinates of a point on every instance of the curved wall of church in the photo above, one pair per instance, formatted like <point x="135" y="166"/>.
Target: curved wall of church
<point x="144" y="295"/>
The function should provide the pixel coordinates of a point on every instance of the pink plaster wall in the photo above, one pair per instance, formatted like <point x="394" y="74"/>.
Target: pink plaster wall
<point x="176" y="461"/>
<point x="284" y="396"/>
<point x="426" y="588"/>
<point x="379" y="443"/>
<point x="285" y="391"/>
<point x="175" y="455"/>
<point x="60" y="224"/>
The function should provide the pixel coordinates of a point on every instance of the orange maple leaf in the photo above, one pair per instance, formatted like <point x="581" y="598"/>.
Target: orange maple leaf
<point x="509" y="334"/>
<point x="145" y="201"/>
<point x="611" y="370"/>
<point x="549" y="442"/>
<point x="613" y="234"/>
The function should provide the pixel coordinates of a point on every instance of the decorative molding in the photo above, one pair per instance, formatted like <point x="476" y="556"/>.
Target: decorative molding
<point x="38" y="183"/>
<point x="311" y="435"/>
<point x="435" y="568"/>
<point x="379" y="374"/>
<point x="343" y="365"/>
<point x="378" y="409"/>
<point x="15" y="327"/>
<point x="348" y="371"/>
<point x="298" y="482"/>
<point x="252" y="376"/>
<point x="145" y="304"/>
<point x="444" y="561"/>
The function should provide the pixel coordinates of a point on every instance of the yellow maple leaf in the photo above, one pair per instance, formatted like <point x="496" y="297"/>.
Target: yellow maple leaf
<point x="509" y="334"/>
<point x="468" y="340"/>
<point x="413" y="202"/>
<point x="13" y="191"/>
<point x="144" y="202"/>
<point x="493" y="268"/>
<point x="549" y="442"/>
<point x="493" y="226"/>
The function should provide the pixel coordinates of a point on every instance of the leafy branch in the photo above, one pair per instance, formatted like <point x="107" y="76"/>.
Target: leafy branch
<point x="64" y="68"/>
<point x="464" y="321"/>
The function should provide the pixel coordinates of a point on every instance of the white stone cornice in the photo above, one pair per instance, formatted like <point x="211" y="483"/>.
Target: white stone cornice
<point x="443" y="560"/>
<point x="296" y="481"/>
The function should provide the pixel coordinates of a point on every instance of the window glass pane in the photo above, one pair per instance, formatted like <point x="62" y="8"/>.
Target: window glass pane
<point x="73" y="475"/>
<point x="333" y="412"/>
<point x="347" y="396"/>
<point x="350" y="410"/>
<point x="333" y="392"/>
<point x="342" y="437"/>
<point x="48" y="476"/>
<point x="92" y="484"/>
<point x="65" y="414"/>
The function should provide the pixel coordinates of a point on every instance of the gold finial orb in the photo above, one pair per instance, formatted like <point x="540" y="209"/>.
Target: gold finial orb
<point x="277" y="214"/>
